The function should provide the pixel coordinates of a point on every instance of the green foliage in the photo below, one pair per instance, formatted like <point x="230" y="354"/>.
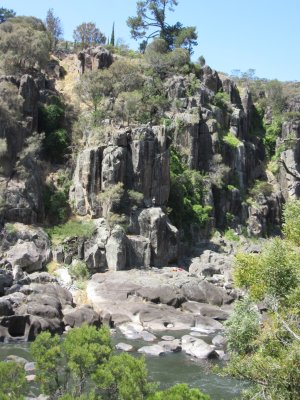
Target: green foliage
<point x="230" y="234"/>
<point x="180" y="391"/>
<point x="54" y="28"/>
<point x="46" y="351"/>
<point x="261" y="188"/>
<point x="268" y="354"/>
<point x="5" y="14"/>
<point x="13" y="383"/>
<point x="291" y="225"/>
<point x="291" y="116"/>
<point x="85" y="349"/>
<point x="242" y="327"/>
<point x="72" y="228"/>
<point x="123" y="378"/>
<point x="231" y="140"/>
<point x="272" y="133"/>
<point x="56" y="145"/>
<point x="222" y="100"/>
<point x="57" y="140"/>
<point x="56" y="201"/>
<point x="274" y="272"/>
<point x="135" y="197"/>
<point x="187" y="38"/>
<point x="187" y="195"/>
<point x="79" y="271"/>
<point x="24" y="43"/>
<point x="87" y="34"/>
<point x="51" y="117"/>
<point x="275" y="96"/>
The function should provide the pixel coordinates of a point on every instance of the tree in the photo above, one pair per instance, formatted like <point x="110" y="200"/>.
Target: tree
<point x="24" y="44"/>
<point x="187" y="38"/>
<point x="124" y="377"/>
<point x="54" y="28"/>
<point x="179" y="392"/>
<point x="93" y="87"/>
<point x="87" y="34"/>
<point x="112" y="38"/>
<point x="5" y="14"/>
<point x="151" y="16"/>
<point x="13" y="383"/>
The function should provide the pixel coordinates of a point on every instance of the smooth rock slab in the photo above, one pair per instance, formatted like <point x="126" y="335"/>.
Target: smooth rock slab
<point x="154" y="350"/>
<point x="124" y="347"/>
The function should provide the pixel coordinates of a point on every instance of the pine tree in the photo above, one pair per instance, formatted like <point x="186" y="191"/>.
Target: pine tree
<point x="112" y="38"/>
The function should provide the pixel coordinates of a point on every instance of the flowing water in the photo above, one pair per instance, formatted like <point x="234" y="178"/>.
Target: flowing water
<point x="167" y="370"/>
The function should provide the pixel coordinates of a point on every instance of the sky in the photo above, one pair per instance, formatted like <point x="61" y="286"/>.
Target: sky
<point x="232" y="34"/>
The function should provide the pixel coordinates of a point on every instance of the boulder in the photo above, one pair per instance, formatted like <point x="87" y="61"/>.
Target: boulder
<point x="116" y="249"/>
<point x="75" y="317"/>
<point x="170" y="345"/>
<point x="124" y="347"/>
<point x="198" y="348"/>
<point x="154" y="350"/>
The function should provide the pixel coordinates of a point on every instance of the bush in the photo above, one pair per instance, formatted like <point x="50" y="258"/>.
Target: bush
<point x="242" y="327"/>
<point x="272" y="133"/>
<point x="13" y="383"/>
<point x="186" y="199"/>
<point x="274" y="272"/>
<point x="291" y="224"/>
<point x="24" y="43"/>
<point x="79" y="271"/>
<point x="222" y="100"/>
<point x="56" y="202"/>
<point x="56" y="145"/>
<point x="261" y="188"/>
<point x="51" y="117"/>
<point x="231" y="140"/>
<point x="72" y="228"/>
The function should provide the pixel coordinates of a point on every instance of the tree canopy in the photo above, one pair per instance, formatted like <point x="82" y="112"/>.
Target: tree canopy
<point x="150" y="22"/>
<point x="54" y="28"/>
<point x="24" y="44"/>
<point x="5" y="14"/>
<point x="87" y="34"/>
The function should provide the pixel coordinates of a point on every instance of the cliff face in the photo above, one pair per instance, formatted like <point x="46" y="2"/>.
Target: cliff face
<point x="126" y="177"/>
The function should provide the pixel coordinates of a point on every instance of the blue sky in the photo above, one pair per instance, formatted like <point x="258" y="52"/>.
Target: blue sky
<point x="232" y="34"/>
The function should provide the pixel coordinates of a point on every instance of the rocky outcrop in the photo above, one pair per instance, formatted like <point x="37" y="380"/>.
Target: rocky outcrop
<point x="138" y="158"/>
<point x="24" y="248"/>
<point x="94" y="58"/>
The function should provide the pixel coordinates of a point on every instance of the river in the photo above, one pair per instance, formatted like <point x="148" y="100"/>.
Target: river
<point x="167" y="370"/>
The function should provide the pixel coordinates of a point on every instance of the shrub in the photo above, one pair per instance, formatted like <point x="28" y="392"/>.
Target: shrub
<point x="272" y="133"/>
<point x="56" y="145"/>
<point x="79" y="271"/>
<point x="186" y="199"/>
<point x="13" y="383"/>
<point x="261" y="187"/>
<point x="56" y="202"/>
<point x="51" y="117"/>
<point x="24" y="43"/>
<point x="231" y="140"/>
<point x="222" y="100"/>
<point x="242" y="327"/>
<point x="291" y="224"/>
<point x="72" y="228"/>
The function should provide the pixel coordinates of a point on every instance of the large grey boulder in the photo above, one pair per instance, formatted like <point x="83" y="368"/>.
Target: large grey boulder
<point x="25" y="247"/>
<point x="198" y="348"/>
<point x="116" y="249"/>
<point x="163" y="236"/>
